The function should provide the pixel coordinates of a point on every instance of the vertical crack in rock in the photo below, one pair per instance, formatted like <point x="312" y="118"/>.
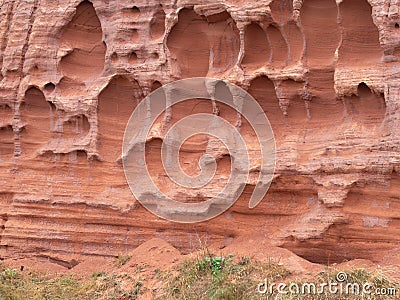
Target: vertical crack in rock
<point x="115" y="106"/>
<point x="37" y="116"/>
<point x="279" y="47"/>
<point x="295" y="39"/>
<point x="281" y="11"/>
<point x="82" y="40"/>
<point x="360" y="37"/>
<point x="34" y="7"/>
<point x="320" y="24"/>
<point x="214" y="50"/>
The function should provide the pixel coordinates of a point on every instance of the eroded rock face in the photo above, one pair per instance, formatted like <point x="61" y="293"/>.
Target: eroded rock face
<point x="326" y="73"/>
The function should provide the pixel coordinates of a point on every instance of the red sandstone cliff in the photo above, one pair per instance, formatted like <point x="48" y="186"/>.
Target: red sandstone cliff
<point x="326" y="73"/>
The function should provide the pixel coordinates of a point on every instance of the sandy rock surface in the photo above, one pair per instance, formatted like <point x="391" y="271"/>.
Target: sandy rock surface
<point x="325" y="72"/>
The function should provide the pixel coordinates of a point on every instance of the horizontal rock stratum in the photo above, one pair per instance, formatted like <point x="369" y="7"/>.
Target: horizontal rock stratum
<point x="326" y="73"/>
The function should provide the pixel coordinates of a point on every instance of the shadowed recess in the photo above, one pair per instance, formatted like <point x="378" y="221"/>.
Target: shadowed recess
<point x="131" y="12"/>
<point x="84" y="36"/>
<point x="320" y="25"/>
<point x="132" y="57"/>
<point x="263" y="90"/>
<point x="38" y="116"/>
<point x="76" y="127"/>
<point x="6" y="133"/>
<point x="257" y="51"/>
<point x="116" y="104"/>
<point x="49" y="87"/>
<point x="278" y="46"/>
<point x="215" y="48"/>
<point x="157" y="24"/>
<point x="366" y="107"/>
<point x="372" y="210"/>
<point x="360" y="45"/>
<point x="281" y="10"/>
<point x="295" y="39"/>
<point x="155" y="85"/>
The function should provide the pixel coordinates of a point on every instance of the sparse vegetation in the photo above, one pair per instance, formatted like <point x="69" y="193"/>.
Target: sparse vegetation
<point x="214" y="277"/>
<point x="18" y="286"/>
<point x="205" y="277"/>
<point x="96" y="275"/>
<point x="122" y="259"/>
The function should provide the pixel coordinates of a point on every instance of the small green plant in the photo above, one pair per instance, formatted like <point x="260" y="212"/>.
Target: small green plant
<point x="10" y="273"/>
<point x="214" y="264"/>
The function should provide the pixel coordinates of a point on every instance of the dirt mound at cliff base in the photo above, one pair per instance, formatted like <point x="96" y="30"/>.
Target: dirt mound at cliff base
<point x="157" y="269"/>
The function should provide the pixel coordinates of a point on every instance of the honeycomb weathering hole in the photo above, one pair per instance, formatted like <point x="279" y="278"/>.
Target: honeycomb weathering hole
<point x="76" y="127"/>
<point x="273" y="46"/>
<point x="190" y="152"/>
<point x="6" y="133"/>
<point x="279" y="47"/>
<point x="263" y="90"/>
<point x="37" y="114"/>
<point x="115" y="106"/>
<point x="49" y="87"/>
<point x="295" y="39"/>
<point x="134" y="35"/>
<point x="215" y="48"/>
<point x="83" y="35"/>
<point x="257" y="50"/>
<point x="360" y="38"/>
<point x="366" y="108"/>
<point x="155" y="85"/>
<point x="132" y="58"/>
<point x="281" y="10"/>
<point x="114" y="57"/>
<point x="157" y="24"/>
<point x="320" y="25"/>
<point x="133" y="12"/>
